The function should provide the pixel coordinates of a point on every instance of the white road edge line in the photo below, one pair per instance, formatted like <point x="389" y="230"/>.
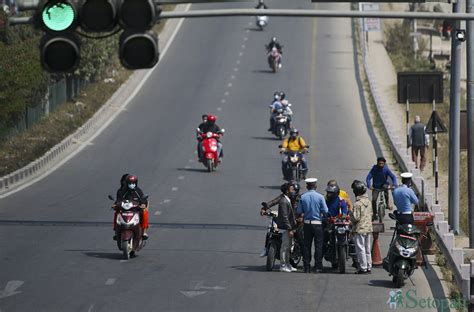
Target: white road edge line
<point x="104" y="126"/>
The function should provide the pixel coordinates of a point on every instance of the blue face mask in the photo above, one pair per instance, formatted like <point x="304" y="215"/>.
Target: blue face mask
<point x="293" y="194"/>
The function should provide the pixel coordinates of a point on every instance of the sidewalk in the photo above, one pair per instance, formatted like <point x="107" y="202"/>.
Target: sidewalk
<point x="394" y="116"/>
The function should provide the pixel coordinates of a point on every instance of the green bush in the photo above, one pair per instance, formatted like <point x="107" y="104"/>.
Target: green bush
<point x="399" y="46"/>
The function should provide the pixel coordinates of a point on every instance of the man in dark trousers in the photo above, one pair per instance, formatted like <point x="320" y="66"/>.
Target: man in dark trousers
<point x="286" y="223"/>
<point x="313" y="207"/>
<point x="419" y="140"/>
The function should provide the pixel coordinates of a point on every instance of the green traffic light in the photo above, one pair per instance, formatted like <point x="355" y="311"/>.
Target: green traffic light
<point x="58" y="16"/>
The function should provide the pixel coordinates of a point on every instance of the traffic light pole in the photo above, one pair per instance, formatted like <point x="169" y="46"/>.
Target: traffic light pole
<point x="295" y="13"/>
<point x="454" y="125"/>
<point x="470" y="121"/>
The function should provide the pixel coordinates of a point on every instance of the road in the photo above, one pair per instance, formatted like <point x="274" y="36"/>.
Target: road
<point x="57" y="253"/>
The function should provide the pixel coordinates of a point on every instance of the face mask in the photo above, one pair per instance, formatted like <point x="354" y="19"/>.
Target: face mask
<point x="132" y="186"/>
<point x="293" y="194"/>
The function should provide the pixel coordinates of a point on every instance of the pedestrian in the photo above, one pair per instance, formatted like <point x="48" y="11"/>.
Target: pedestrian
<point x="419" y="140"/>
<point x="361" y="218"/>
<point x="313" y="207"/>
<point x="404" y="197"/>
<point x="286" y="223"/>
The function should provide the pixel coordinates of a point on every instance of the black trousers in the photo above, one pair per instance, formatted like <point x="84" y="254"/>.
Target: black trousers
<point x="405" y="218"/>
<point x="313" y="232"/>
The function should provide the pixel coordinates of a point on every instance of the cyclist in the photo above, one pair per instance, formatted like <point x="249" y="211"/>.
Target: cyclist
<point x="379" y="175"/>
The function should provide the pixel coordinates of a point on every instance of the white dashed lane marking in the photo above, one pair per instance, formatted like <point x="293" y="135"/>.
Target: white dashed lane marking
<point x="229" y="84"/>
<point x="243" y="46"/>
<point x="181" y="178"/>
<point x="174" y="188"/>
<point x="166" y="201"/>
<point x="157" y="213"/>
<point x="189" y="167"/>
<point x="226" y="93"/>
<point x="223" y="101"/>
<point x="110" y="281"/>
<point x="236" y="69"/>
<point x="219" y="109"/>
<point x="232" y="77"/>
<point x="238" y="61"/>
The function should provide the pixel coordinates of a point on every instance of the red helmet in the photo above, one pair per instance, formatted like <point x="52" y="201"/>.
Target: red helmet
<point x="211" y="118"/>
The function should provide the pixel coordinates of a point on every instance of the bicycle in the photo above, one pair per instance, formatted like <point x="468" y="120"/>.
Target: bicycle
<point x="381" y="203"/>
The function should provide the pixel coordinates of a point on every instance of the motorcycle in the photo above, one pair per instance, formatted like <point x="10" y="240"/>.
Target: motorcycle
<point x="339" y="244"/>
<point x="274" y="58"/>
<point x="281" y="125"/>
<point x="273" y="243"/>
<point x="210" y="158"/>
<point x="294" y="170"/>
<point x="129" y="230"/>
<point x="262" y="21"/>
<point x="400" y="262"/>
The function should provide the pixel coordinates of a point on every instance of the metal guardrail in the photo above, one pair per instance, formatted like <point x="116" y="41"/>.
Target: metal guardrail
<point x="445" y="240"/>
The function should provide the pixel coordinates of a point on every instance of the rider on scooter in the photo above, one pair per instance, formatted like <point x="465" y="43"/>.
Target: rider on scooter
<point x="274" y="43"/>
<point x="131" y="191"/>
<point x="297" y="144"/>
<point x="210" y="126"/>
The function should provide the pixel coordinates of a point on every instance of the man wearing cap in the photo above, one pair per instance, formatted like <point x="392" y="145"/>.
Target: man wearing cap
<point x="313" y="207"/>
<point x="404" y="197"/>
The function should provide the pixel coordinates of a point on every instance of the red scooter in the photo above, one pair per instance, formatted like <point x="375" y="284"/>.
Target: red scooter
<point x="210" y="157"/>
<point x="129" y="230"/>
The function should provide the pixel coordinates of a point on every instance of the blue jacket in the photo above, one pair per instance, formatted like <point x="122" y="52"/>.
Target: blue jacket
<point x="404" y="197"/>
<point x="313" y="205"/>
<point x="334" y="205"/>
<point x="380" y="177"/>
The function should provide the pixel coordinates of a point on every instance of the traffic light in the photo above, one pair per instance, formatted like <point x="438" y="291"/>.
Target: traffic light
<point x="138" y="45"/>
<point x="59" y="47"/>
<point x="98" y="15"/>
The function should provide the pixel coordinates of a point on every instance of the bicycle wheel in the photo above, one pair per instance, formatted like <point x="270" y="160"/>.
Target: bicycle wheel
<point x="381" y="205"/>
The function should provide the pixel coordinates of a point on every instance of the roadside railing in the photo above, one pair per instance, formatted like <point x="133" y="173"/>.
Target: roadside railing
<point x="445" y="240"/>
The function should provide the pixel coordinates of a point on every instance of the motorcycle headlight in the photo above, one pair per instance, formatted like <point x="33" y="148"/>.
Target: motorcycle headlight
<point x="405" y="252"/>
<point x="341" y="230"/>
<point x="127" y="205"/>
<point x="294" y="159"/>
<point x="209" y="134"/>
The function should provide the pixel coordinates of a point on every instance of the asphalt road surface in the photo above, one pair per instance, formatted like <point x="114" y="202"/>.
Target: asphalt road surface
<point x="57" y="252"/>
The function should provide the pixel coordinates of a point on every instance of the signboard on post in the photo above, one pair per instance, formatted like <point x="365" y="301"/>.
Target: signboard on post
<point x="435" y="125"/>
<point x="370" y="23"/>
<point x="420" y="87"/>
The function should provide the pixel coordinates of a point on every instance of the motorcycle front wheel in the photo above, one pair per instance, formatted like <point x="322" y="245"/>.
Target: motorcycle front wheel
<point x="341" y="253"/>
<point x="126" y="249"/>
<point x="209" y="165"/>
<point x="399" y="279"/>
<point x="271" y="257"/>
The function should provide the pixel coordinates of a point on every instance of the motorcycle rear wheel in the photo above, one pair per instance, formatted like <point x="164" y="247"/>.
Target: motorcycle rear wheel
<point x="271" y="257"/>
<point x="341" y="253"/>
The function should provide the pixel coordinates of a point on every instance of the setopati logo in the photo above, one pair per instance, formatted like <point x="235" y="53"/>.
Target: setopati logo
<point x="407" y="299"/>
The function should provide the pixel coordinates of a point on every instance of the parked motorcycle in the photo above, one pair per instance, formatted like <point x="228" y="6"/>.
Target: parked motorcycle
<point x="400" y="262"/>
<point x="210" y="157"/>
<point x="262" y="21"/>
<point x="273" y="243"/>
<point x="294" y="170"/>
<point x="274" y="59"/>
<point x="129" y="230"/>
<point x="340" y="246"/>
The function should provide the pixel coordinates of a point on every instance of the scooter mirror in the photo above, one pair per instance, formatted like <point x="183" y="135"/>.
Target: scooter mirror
<point x="392" y="216"/>
<point x="222" y="130"/>
<point x="110" y="197"/>
<point x="289" y="104"/>
<point x="307" y="146"/>
<point x="145" y="197"/>
<point x="198" y="130"/>
<point x="429" y="224"/>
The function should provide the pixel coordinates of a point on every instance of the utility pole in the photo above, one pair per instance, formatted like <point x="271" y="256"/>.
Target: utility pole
<point x="470" y="120"/>
<point x="454" y="125"/>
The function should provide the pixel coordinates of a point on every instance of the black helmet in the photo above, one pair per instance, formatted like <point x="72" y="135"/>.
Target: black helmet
<point x="276" y="96"/>
<point x="358" y="187"/>
<point x="332" y="190"/>
<point x="294" y="132"/>
<point x="295" y="184"/>
<point x="282" y="95"/>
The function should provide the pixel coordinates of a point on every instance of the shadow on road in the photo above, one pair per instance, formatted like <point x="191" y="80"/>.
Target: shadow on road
<point x="386" y="283"/>
<point x="251" y="268"/>
<point x="105" y="255"/>
<point x="192" y="169"/>
<point x="266" y="138"/>
<point x="262" y="71"/>
<point x="271" y="187"/>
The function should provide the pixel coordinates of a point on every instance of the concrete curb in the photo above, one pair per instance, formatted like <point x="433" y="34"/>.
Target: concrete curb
<point x="445" y="239"/>
<point x="66" y="149"/>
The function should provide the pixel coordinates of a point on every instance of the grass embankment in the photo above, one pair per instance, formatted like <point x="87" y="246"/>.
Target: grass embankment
<point x="20" y="149"/>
